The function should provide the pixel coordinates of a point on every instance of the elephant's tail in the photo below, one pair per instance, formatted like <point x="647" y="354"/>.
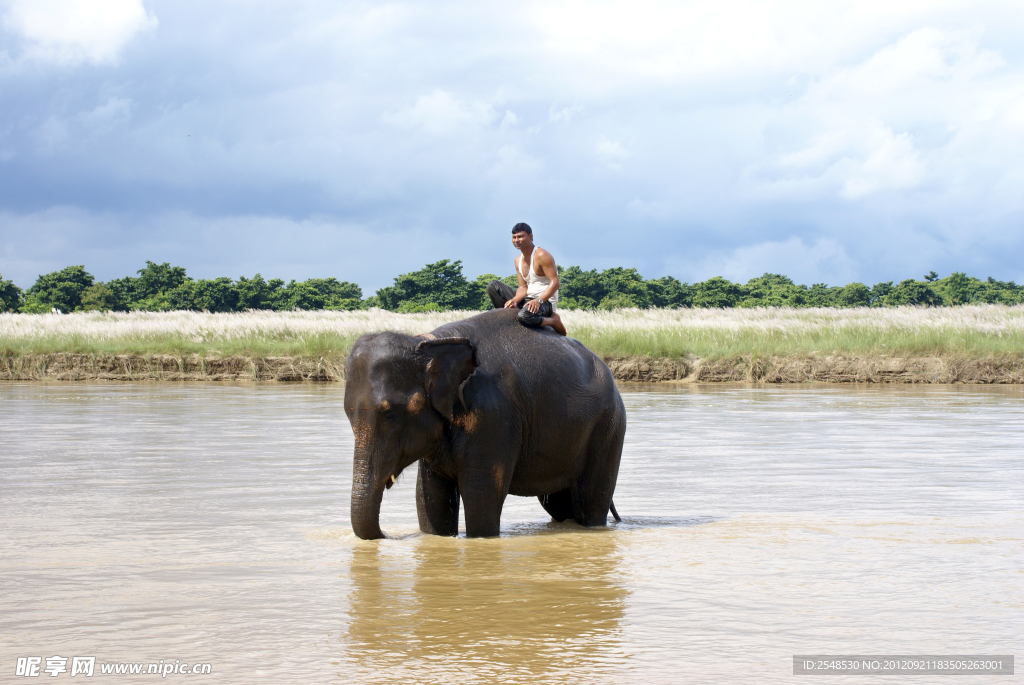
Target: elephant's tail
<point x="616" y="514"/>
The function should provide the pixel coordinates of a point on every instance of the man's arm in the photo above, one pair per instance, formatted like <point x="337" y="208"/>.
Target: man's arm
<point x="520" y="291"/>
<point x="544" y="265"/>
<point x="549" y="271"/>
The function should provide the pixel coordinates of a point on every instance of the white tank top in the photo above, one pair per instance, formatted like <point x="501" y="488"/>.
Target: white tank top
<point x="535" y="284"/>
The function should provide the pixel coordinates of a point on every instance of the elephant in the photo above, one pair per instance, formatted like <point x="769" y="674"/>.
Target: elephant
<point x="488" y="408"/>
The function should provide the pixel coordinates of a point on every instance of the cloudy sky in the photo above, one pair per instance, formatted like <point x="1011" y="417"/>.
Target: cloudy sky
<point x="831" y="142"/>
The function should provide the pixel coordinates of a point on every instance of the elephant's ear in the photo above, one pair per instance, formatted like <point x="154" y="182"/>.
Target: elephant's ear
<point x="450" y="362"/>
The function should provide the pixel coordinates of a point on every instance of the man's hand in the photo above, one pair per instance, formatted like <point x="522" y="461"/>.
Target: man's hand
<point x="532" y="305"/>
<point x="512" y="304"/>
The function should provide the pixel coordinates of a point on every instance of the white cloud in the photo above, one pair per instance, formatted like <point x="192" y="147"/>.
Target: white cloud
<point x="856" y="163"/>
<point x="611" y="152"/>
<point x="116" y="110"/>
<point x="510" y="119"/>
<point x="56" y="133"/>
<point x="608" y="43"/>
<point x="611" y="148"/>
<point x="563" y="115"/>
<point x="52" y="134"/>
<point x="924" y="56"/>
<point x="512" y="160"/>
<point x="895" y="121"/>
<point x="648" y="210"/>
<point x="892" y="165"/>
<point x="439" y="114"/>
<point x="73" y="31"/>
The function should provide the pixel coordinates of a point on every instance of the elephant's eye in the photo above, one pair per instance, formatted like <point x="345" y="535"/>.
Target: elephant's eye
<point x="391" y="416"/>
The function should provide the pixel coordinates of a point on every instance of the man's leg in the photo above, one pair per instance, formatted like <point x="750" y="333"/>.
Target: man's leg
<point x="545" y="316"/>
<point x="500" y="293"/>
<point x="555" y="321"/>
<point x="533" y="319"/>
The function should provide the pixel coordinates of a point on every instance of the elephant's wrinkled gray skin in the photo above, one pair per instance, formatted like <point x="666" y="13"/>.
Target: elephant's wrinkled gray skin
<point x="489" y="408"/>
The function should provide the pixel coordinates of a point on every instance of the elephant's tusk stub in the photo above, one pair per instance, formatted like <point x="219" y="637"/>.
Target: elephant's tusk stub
<point x="390" y="482"/>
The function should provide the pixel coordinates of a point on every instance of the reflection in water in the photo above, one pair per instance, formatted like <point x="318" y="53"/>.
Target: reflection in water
<point x="513" y="609"/>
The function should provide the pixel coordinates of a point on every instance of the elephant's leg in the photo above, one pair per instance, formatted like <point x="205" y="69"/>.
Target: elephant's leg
<point x="483" y="495"/>
<point x="592" y="492"/>
<point x="437" y="502"/>
<point x="558" y="504"/>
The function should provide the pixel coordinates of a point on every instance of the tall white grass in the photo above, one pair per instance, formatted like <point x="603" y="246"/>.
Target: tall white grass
<point x="981" y="328"/>
<point x="978" y="318"/>
<point x="975" y="330"/>
<point x="205" y="327"/>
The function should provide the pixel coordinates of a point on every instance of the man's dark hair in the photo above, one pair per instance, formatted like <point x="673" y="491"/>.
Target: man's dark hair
<point x="522" y="228"/>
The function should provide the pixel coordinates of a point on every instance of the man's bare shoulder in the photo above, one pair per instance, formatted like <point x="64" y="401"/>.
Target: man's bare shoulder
<point x="544" y="256"/>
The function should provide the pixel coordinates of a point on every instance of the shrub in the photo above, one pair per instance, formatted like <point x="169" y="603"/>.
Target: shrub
<point x="256" y="293"/>
<point x="99" y="297"/>
<point x="618" y="301"/>
<point x="853" y="295"/>
<point x="820" y="295"/>
<point x="440" y="283"/>
<point x="61" y="290"/>
<point x="669" y="292"/>
<point x="298" y="295"/>
<point x="10" y="296"/>
<point x="349" y="304"/>
<point x="216" y="295"/>
<point x="179" y="298"/>
<point x="32" y="305"/>
<point x="627" y="282"/>
<point x="716" y="292"/>
<point x="912" y="292"/>
<point x="480" y="285"/>
<point x="1003" y="292"/>
<point x="584" y="288"/>
<point x="773" y="290"/>
<point x="411" y="307"/>
<point x="879" y="291"/>
<point x="153" y="281"/>
<point x="581" y="302"/>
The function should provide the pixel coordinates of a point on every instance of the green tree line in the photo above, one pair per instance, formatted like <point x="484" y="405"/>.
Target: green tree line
<point x="162" y="287"/>
<point x="442" y="286"/>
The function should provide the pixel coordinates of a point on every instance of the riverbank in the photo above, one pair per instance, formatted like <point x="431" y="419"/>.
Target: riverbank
<point x="974" y="344"/>
<point x="129" y="367"/>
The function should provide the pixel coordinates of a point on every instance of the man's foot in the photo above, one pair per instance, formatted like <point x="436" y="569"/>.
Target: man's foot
<point x="555" y="321"/>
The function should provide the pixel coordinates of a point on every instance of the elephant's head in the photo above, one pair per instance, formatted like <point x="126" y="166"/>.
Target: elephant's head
<point x="399" y="391"/>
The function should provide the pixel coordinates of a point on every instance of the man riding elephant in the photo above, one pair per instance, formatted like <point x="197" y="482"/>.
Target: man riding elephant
<point x="537" y="295"/>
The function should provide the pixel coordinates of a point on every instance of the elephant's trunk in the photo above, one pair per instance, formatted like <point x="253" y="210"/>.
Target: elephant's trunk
<point x="367" y="493"/>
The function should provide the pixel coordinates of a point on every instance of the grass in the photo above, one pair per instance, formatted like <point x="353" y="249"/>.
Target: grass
<point x="970" y="331"/>
<point x="976" y="331"/>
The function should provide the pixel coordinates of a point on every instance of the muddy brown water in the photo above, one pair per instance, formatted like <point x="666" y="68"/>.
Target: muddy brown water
<point x="209" y="523"/>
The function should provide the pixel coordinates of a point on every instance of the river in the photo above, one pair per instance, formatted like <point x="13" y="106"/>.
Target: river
<point x="208" y="523"/>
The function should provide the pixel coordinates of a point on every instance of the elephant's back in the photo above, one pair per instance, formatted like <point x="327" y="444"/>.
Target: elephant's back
<point x="548" y="394"/>
<point x="533" y="358"/>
